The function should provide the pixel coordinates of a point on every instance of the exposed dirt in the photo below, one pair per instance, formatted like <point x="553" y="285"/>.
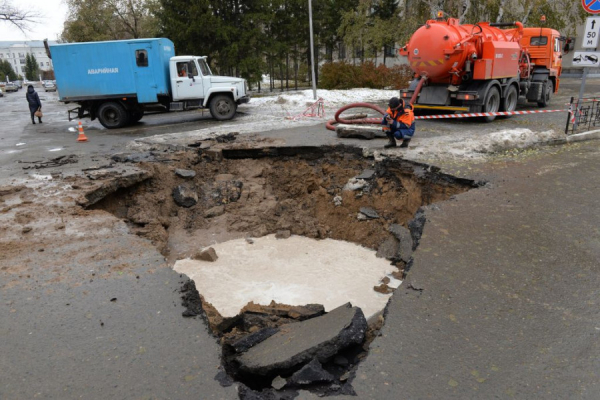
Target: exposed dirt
<point x="255" y="197"/>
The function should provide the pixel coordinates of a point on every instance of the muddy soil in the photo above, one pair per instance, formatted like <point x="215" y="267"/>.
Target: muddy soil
<point x="254" y="197"/>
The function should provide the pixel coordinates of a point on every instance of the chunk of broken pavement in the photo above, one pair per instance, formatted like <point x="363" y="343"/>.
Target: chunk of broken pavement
<point x="406" y="241"/>
<point x="311" y="373"/>
<point x="253" y="339"/>
<point x="369" y="212"/>
<point x="214" y="212"/>
<point x="389" y="248"/>
<point x="366" y="174"/>
<point x="298" y="343"/>
<point x="283" y="234"/>
<point x="305" y="312"/>
<point x="354" y="184"/>
<point x="185" y="173"/>
<point x="355" y="132"/>
<point x="278" y="383"/>
<point x="206" y="255"/>
<point x="185" y="196"/>
<point x="337" y="201"/>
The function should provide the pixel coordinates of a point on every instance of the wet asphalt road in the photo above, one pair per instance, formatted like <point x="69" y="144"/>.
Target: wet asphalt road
<point x="508" y="308"/>
<point x="20" y="141"/>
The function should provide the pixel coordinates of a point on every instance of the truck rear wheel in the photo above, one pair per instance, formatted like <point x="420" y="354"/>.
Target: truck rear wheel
<point x="511" y="99"/>
<point x="222" y="107"/>
<point x="112" y="115"/>
<point x="492" y="103"/>
<point x="546" y="92"/>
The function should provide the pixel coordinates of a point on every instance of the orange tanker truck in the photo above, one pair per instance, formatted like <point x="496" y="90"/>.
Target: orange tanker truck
<point x="481" y="68"/>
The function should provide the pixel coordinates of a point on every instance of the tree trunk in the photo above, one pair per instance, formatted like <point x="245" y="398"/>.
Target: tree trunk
<point x="466" y="5"/>
<point x="281" y="75"/>
<point x="296" y="66"/>
<point x="501" y="5"/>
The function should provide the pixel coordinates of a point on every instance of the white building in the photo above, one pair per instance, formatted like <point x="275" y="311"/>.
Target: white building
<point x="16" y="51"/>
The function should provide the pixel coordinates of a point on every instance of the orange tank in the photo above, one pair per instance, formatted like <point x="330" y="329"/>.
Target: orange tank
<point x="445" y="51"/>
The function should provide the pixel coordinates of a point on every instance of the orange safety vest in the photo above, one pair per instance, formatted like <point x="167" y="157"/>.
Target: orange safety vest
<point x="407" y="117"/>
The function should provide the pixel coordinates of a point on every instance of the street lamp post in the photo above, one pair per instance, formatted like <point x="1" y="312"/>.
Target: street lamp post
<point x="312" y="50"/>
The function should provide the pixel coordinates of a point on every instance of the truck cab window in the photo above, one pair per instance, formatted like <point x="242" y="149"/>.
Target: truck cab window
<point x="204" y="67"/>
<point x="182" y="69"/>
<point x="539" y="40"/>
<point x="141" y="58"/>
<point x="193" y="69"/>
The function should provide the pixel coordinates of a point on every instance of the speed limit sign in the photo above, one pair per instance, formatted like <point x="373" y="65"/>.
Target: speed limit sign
<point x="590" y="35"/>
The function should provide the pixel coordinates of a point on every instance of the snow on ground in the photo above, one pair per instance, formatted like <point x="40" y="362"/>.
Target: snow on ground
<point x="290" y="106"/>
<point x="475" y="146"/>
<point x="271" y="111"/>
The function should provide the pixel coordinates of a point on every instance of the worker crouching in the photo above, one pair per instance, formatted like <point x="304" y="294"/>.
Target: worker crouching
<point x="398" y="122"/>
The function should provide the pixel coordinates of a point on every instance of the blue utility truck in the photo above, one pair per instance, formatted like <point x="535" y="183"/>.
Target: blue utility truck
<point x="117" y="81"/>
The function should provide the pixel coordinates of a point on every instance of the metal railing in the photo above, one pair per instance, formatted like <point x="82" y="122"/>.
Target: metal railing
<point x="583" y="115"/>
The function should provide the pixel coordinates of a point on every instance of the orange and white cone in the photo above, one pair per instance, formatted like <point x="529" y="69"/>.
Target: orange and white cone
<point x="81" y="137"/>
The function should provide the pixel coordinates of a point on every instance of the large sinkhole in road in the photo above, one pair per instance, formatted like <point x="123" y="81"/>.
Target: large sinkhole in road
<point x="292" y="253"/>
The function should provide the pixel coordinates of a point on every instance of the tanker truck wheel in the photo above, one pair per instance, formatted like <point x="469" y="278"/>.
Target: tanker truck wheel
<point x="112" y="115"/>
<point x="546" y="92"/>
<point x="222" y="107"/>
<point x="492" y="103"/>
<point x="510" y="100"/>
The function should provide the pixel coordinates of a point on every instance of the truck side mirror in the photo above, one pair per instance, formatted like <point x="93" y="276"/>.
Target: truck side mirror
<point x="569" y="45"/>
<point x="191" y="77"/>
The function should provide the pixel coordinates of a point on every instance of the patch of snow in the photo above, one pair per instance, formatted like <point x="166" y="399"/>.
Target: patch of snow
<point x="477" y="146"/>
<point x="40" y="177"/>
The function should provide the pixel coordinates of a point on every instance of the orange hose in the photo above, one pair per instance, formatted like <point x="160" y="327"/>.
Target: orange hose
<point x="337" y="119"/>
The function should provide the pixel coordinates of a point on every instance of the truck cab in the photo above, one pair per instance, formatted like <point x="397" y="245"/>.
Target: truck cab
<point x="543" y="46"/>
<point x="118" y="81"/>
<point x="194" y="86"/>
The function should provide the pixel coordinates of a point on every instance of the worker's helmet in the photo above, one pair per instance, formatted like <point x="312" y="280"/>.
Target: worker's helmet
<point x="394" y="102"/>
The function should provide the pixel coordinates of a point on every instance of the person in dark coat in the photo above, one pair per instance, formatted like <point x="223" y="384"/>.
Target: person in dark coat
<point x="34" y="103"/>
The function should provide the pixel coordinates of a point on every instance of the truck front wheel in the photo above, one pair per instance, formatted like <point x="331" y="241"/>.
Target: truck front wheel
<point x="492" y="103"/>
<point x="222" y="107"/>
<point x="546" y="92"/>
<point x="112" y="115"/>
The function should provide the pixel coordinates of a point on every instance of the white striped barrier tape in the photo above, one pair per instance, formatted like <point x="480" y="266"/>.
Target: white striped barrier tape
<point x="488" y="114"/>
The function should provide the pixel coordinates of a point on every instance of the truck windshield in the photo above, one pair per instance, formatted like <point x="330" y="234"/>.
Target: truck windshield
<point x="204" y="67"/>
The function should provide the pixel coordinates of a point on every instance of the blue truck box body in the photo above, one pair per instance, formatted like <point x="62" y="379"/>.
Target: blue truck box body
<point x="125" y="68"/>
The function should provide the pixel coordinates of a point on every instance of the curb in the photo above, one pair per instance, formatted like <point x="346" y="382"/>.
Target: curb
<point x="580" y="137"/>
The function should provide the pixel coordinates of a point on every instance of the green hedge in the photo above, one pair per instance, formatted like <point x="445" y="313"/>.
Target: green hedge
<point x="341" y="75"/>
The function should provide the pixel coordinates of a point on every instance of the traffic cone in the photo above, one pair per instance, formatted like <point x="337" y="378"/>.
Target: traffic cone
<point x="81" y="137"/>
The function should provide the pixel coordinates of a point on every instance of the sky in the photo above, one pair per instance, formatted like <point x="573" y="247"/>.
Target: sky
<point x="50" y="24"/>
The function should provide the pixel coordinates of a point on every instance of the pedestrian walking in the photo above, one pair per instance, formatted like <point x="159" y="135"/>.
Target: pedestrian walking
<point x="35" y="104"/>
<point x="398" y="122"/>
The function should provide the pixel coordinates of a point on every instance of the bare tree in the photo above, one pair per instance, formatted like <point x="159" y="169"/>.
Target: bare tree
<point x="464" y="10"/>
<point x="16" y="16"/>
